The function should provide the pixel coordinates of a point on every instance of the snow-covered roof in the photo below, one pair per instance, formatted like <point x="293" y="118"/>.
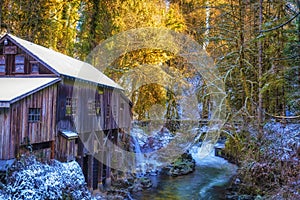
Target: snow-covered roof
<point x="63" y="64"/>
<point x="13" y="89"/>
<point x="69" y="134"/>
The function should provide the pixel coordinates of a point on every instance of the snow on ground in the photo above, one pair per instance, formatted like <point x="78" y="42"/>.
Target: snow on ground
<point x="30" y="179"/>
<point x="274" y="171"/>
<point x="284" y="140"/>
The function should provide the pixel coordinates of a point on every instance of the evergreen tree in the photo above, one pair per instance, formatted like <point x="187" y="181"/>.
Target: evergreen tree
<point x="51" y="23"/>
<point x="103" y="19"/>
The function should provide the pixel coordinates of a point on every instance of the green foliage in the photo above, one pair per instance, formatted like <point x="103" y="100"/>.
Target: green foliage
<point x="48" y="23"/>
<point x="102" y="19"/>
<point x="136" y="14"/>
<point x="228" y="29"/>
<point x="149" y="95"/>
<point x="234" y="43"/>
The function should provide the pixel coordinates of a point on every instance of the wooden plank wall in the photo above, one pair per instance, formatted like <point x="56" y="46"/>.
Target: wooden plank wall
<point x="66" y="150"/>
<point x="112" y="115"/>
<point x="36" y="132"/>
<point x="64" y="122"/>
<point x="125" y="115"/>
<point x="92" y="128"/>
<point x="10" y="61"/>
<point x="5" y="141"/>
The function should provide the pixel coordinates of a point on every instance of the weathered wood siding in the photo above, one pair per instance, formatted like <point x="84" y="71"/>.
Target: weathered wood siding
<point x="125" y="115"/>
<point x="36" y="132"/>
<point x="66" y="150"/>
<point x="6" y="146"/>
<point x="10" y="62"/>
<point x="114" y="108"/>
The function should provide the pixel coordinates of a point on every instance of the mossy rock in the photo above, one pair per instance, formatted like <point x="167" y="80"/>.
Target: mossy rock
<point x="183" y="165"/>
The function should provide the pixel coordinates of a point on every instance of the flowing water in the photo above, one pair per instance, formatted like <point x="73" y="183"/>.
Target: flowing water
<point x="139" y="157"/>
<point x="208" y="182"/>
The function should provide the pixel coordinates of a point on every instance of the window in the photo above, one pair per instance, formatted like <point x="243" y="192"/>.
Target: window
<point x="19" y="64"/>
<point x="2" y="64"/>
<point x="94" y="107"/>
<point x="34" y="115"/>
<point x="115" y="111"/>
<point x="34" y="68"/>
<point x="108" y="111"/>
<point x="100" y="90"/>
<point x="71" y="106"/>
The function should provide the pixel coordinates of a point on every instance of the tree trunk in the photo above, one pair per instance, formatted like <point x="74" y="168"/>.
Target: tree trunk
<point x="207" y="25"/>
<point x="260" y="72"/>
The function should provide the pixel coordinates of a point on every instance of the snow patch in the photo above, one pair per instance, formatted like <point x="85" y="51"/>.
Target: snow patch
<point x="30" y="179"/>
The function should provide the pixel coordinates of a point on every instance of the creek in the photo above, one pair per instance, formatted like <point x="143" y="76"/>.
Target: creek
<point x="207" y="182"/>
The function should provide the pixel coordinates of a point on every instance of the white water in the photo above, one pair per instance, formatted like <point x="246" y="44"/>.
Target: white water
<point x="207" y="182"/>
<point x="139" y="158"/>
<point x="204" y="161"/>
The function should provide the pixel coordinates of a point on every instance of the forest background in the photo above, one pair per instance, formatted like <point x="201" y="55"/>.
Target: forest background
<point x="255" y="45"/>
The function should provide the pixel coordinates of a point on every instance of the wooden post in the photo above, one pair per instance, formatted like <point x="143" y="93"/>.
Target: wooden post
<point x="52" y="155"/>
<point x="80" y="153"/>
<point x="90" y="172"/>
<point x="100" y="175"/>
<point x="108" y="170"/>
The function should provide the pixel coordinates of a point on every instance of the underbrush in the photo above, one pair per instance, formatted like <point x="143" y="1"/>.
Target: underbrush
<point x="270" y="165"/>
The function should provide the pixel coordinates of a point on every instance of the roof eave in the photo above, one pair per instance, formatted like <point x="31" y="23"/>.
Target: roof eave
<point x="92" y="82"/>
<point x="4" y="104"/>
<point x="34" y="91"/>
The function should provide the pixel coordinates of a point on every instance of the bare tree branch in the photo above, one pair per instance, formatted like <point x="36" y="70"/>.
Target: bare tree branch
<point x="281" y="25"/>
<point x="275" y="116"/>
<point x="286" y="58"/>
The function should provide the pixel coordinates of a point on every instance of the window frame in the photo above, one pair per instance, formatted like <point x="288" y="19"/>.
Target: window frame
<point x="71" y="106"/>
<point x="32" y="63"/>
<point x="122" y="106"/>
<point x="19" y="64"/>
<point x="34" y="115"/>
<point x="3" y="58"/>
<point x="108" y="111"/>
<point x="94" y="107"/>
<point x="114" y="111"/>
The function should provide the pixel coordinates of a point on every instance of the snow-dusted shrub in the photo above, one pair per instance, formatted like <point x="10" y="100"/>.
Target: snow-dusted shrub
<point x="30" y="179"/>
<point x="3" y="195"/>
<point x="270" y="165"/>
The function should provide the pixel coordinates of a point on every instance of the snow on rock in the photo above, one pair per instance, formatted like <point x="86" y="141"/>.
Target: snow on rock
<point x="154" y="140"/>
<point x="30" y="179"/>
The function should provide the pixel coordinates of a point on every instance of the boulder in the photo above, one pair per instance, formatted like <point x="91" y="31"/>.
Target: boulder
<point x="183" y="165"/>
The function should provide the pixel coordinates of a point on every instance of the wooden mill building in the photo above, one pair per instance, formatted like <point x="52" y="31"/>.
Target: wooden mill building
<point x="51" y="104"/>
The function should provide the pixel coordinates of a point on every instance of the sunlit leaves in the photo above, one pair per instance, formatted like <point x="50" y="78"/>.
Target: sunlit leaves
<point x="51" y="23"/>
